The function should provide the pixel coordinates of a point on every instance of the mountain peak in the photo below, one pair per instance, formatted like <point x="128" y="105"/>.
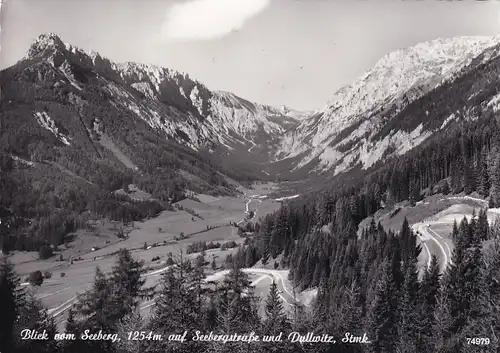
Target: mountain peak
<point x="170" y="100"/>
<point x="362" y="107"/>
<point x="46" y="41"/>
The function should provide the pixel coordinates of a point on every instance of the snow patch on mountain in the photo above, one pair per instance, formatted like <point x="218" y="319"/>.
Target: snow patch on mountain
<point x="295" y="114"/>
<point x="66" y="71"/>
<point x="369" y="152"/>
<point x="48" y="123"/>
<point x="152" y="114"/>
<point x="404" y="141"/>
<point x="494" y="103"/>
<point x="447" y="121"/>
<point x="21" y="160"/>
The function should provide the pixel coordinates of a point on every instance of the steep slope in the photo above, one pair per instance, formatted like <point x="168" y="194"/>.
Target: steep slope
<point x="54" y="108"/>
<point x="71" y="135"/>
<point x="345" y="134"/>
<point x="197" y="116"/>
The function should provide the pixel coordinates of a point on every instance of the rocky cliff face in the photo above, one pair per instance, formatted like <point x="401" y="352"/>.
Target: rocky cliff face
<point x="344" y="133"/>
<point x="218" y="117"/>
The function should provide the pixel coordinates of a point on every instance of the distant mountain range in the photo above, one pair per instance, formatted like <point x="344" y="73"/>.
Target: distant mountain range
<point x="381" y="114"/>
<point x="362" y="123"/>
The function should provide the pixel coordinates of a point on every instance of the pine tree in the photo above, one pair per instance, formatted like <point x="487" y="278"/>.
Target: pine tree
<point x="179" y="307"/>
<point x="98" y="310"/>
<point x="408" y="243"/>
<point x="484" y="178"/>
<point x="71" y="325"/>
<point x="265" y="244"/>
<point x="325" y="208"/>
<point x="321" y="308"/>
<point x="381" y="319"/>
<point x="72" y="328"/>
<point x="495" y="183"/>
<point x="33" y="316"/>
<point x="476" y="301"/>
<point x="465" y="292"/>
<point x="442" y="339"/>
<point x="210" y="317"/>
<point x="492" y="279"/>
<point x="455" y="176"/>
<point x="349" y="317"/>
<point x="394" y="253"/>
<point x="469" y="179"/>
<point x="11" y="299"/>
<point x="127" y="282"/>
<point x="462" y="241"/>
<point x="482" y="227"/>
<point x="454" y="232"/>
<point x="276" y="319"/>
<point x="413" y="193"/>
<point x="130" y="323"/>
<point x="237" y="295"/>
<point x="408" y="319"/>
<point x="428" y="298"/>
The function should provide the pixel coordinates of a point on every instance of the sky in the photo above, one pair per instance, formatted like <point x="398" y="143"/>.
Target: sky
<point x="279" y="52"/>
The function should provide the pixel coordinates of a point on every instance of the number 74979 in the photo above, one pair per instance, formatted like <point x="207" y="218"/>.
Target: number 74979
<point x="478" y="341"/>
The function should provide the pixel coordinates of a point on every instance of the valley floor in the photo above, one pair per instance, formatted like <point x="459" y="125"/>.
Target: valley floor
<point x="208" y="219"/>
<point x="211" y="223"/>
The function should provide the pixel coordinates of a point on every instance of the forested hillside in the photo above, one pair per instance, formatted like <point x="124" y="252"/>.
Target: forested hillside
<point x="66" y="148"/>
<point x="371" y="288"/>
<point x="307" y="229"/>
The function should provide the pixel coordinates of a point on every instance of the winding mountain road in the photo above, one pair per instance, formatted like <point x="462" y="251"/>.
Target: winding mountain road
<point x="151" y="279"/>
<point x="433" y="243"/>
<point x="247" y="211"/>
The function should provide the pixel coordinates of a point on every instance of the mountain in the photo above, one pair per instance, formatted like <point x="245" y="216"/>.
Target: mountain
<point x="77" y="129"/>
<point x="259" y="140"/>
<point x="346" y="133"/>
<point x="198" y="116"/>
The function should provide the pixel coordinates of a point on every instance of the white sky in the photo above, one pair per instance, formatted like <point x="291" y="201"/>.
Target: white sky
<point x="293" y="52"/>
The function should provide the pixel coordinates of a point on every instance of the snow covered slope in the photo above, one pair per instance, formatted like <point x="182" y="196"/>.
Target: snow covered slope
<point x="344" y="133"/>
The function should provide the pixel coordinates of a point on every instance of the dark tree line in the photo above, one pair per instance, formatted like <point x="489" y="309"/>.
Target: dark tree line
<point x="374" y="274"/>
<point x="373" y="287"/>
<point x="34" y="217"/>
